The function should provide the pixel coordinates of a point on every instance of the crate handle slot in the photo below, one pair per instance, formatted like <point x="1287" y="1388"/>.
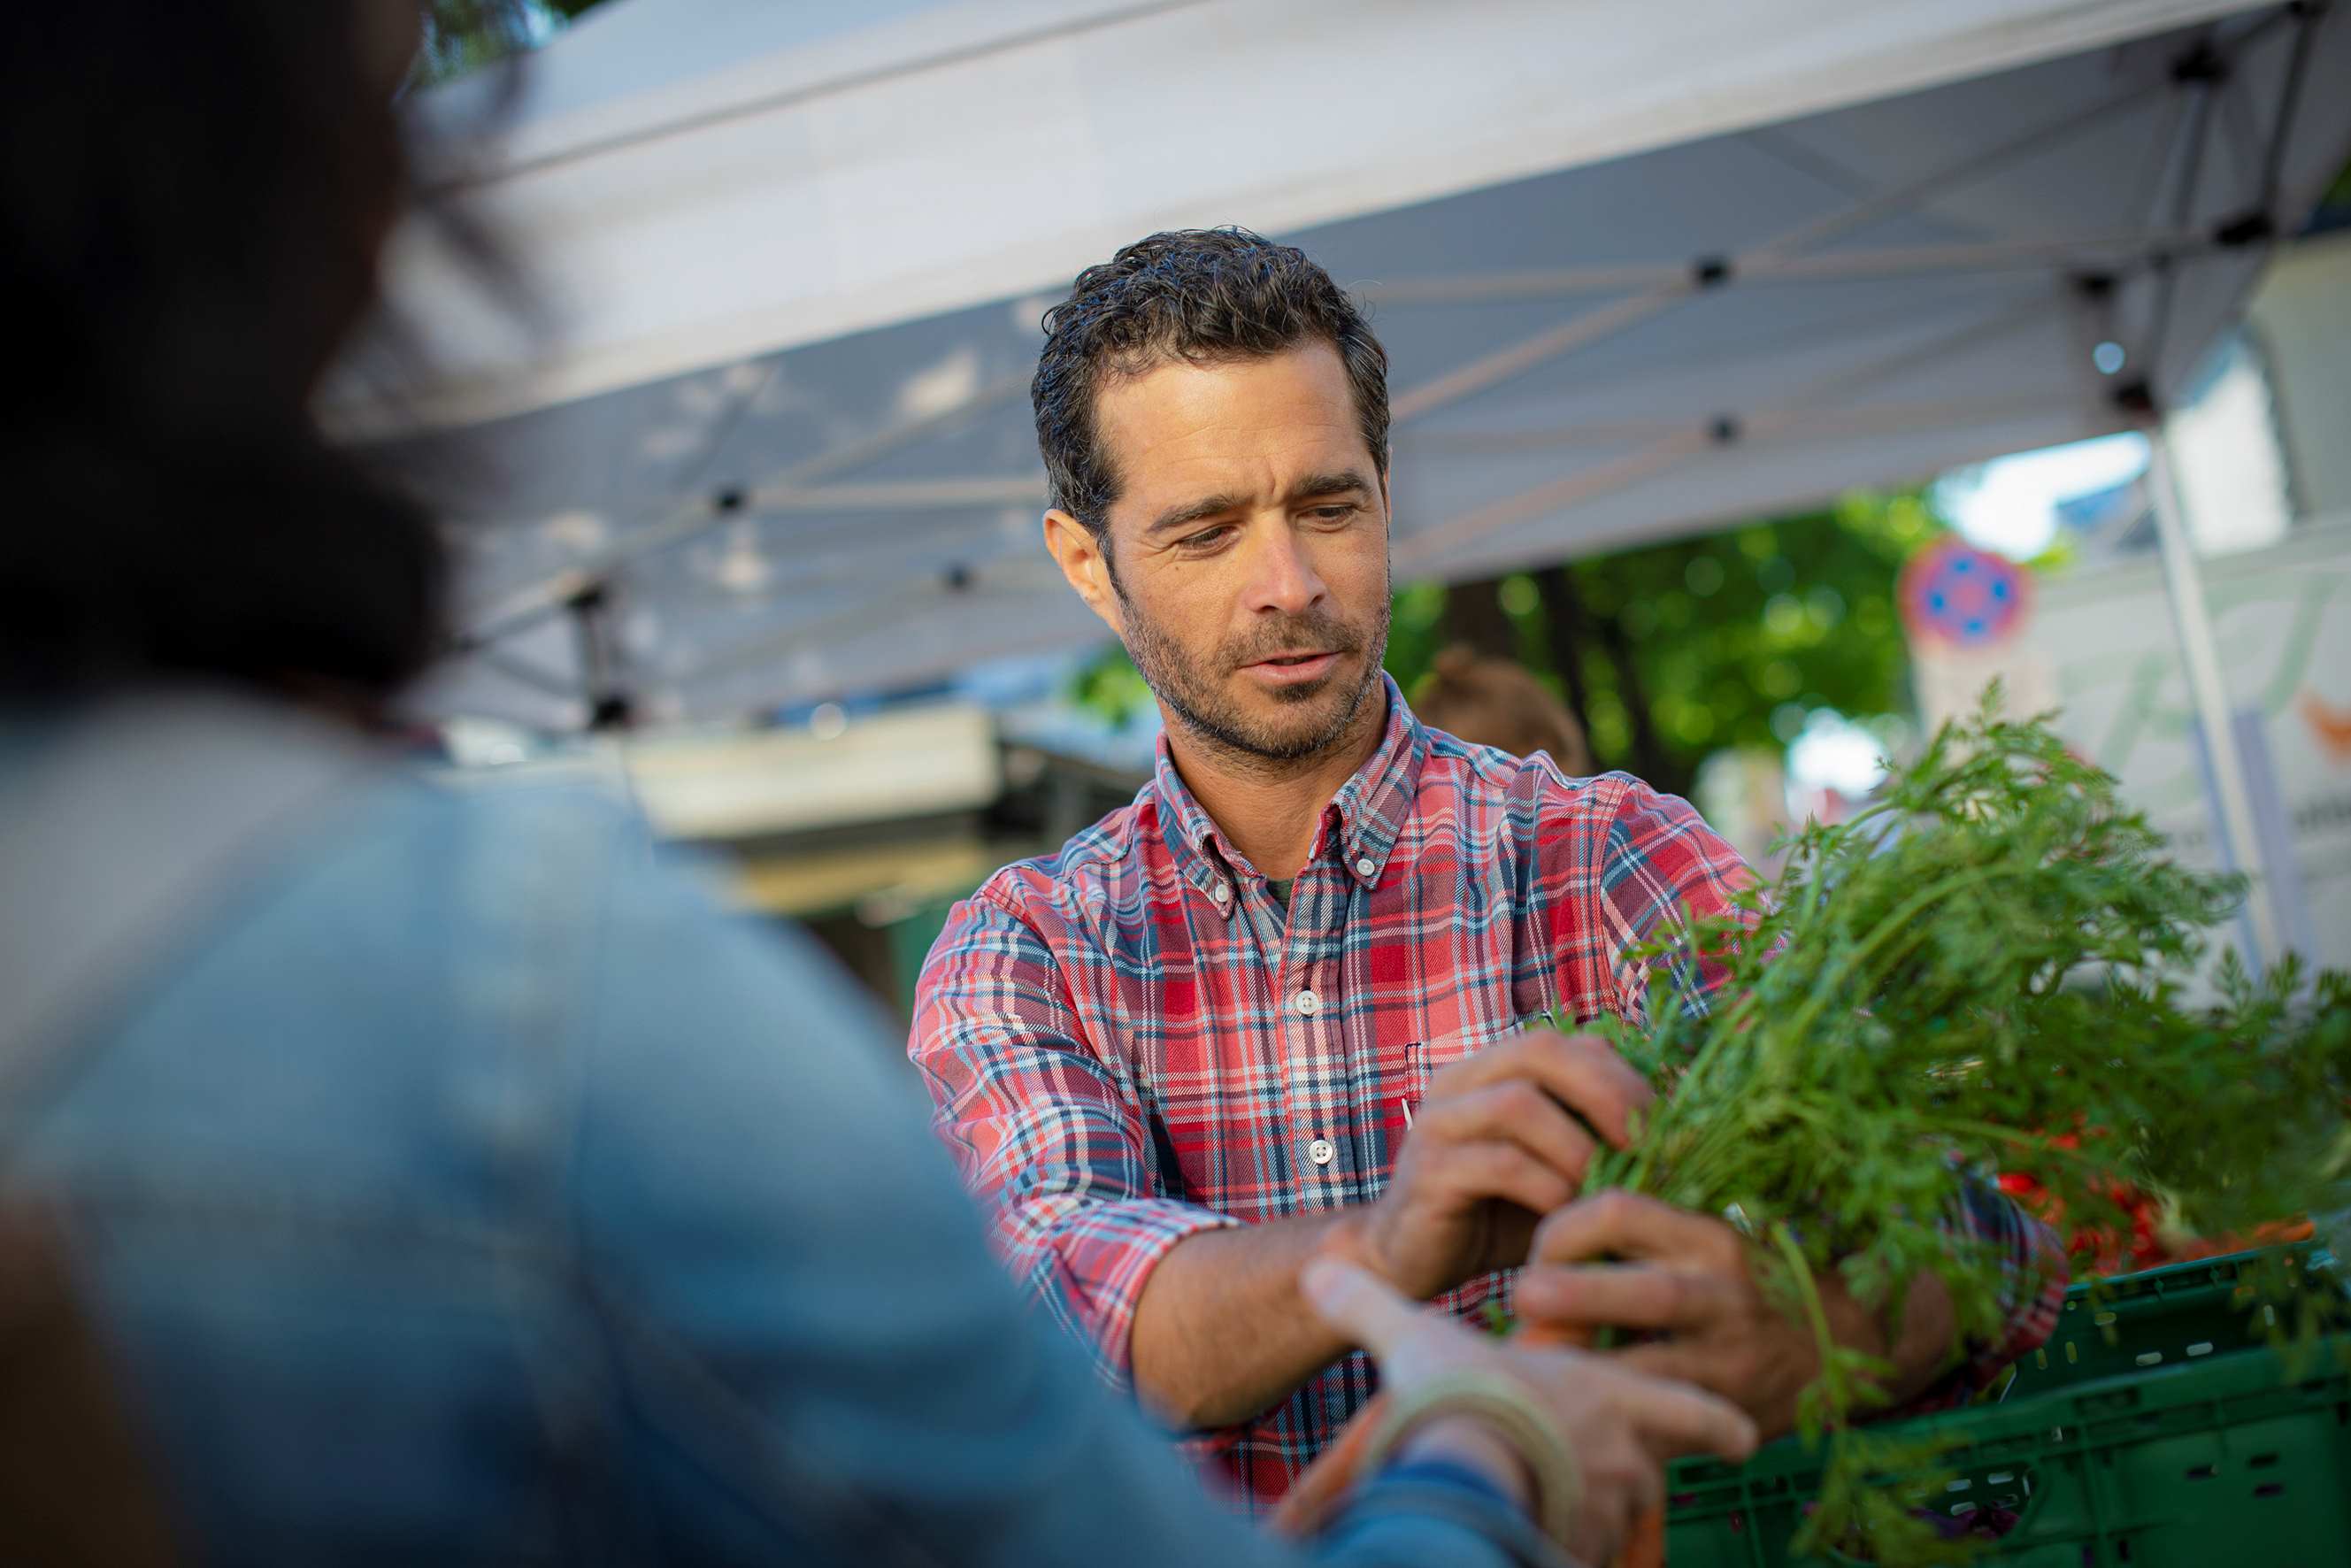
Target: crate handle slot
<point x="2270" y="1489"/>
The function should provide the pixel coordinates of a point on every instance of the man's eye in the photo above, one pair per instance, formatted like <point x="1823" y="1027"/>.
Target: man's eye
<point x="1338" y="512"/>
<point x="1204" y="538"/>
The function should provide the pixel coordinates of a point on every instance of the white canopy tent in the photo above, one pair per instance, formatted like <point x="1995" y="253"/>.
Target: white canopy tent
<point x="1640" y="271"/>
<point x="704" y="180"/>
<point x="1774" y="300"/>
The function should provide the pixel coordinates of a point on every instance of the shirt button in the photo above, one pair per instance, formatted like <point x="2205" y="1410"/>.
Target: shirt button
<point x="1320" y="1151"/>
<point x="1221" y="893"/>
<point x="1364" y="867"/>
<point x="1307" y="1003"/>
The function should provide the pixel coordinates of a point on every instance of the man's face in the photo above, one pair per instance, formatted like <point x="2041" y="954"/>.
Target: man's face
<point x="1246" y="566"/>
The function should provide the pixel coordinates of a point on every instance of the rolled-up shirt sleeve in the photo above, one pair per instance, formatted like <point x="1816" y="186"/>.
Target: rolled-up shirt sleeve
<point x="1660" y="866"/>
<point x="1049" y="1132"/>
<point x="2033" y="1275"/>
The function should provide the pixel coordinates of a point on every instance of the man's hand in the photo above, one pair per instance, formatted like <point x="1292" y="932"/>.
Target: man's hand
<point x="1493" y="1147"/>
<point x="1502" y="1139"/>
<point x="1685" y="1276"/>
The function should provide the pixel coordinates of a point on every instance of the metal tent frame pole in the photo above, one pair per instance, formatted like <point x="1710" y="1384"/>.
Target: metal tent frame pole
<point x="1424" y="550"/>
<point x="610" y="704"/>
<point x="698" y="515"/>
<point x="2230" y="793"/>
<point x="2231" y="798"/>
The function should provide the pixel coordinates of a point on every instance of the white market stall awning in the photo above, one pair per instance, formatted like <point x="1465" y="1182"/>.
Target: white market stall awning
<point x="1639" y="270"/>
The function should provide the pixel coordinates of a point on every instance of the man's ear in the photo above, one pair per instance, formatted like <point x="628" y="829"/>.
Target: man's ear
<point x="1084" y="561"/>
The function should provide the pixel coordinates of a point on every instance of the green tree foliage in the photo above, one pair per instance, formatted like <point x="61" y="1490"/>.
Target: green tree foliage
<point x="2334" y="210"/>
<point x="1721" y="641"/>
<point x="461" y="36"/>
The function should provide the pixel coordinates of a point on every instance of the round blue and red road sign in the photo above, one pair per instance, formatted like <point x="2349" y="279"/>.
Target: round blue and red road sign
<point x="1962" y="597"/>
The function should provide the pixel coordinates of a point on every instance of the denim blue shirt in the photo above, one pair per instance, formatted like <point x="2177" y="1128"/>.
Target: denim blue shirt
<point x="465" y="1187"/>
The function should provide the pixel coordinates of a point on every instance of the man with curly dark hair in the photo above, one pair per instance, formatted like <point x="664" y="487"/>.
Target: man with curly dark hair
<point x="1273" y="1010"/>
<point x="417" y="1174"/>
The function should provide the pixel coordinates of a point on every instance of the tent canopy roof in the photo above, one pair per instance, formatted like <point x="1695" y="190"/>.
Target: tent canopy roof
<point x="1632" y="282"/>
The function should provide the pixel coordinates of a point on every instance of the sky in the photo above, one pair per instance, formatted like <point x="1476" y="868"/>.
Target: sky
<point x="2009" y="505"/>
<point x="2225" y="450"/>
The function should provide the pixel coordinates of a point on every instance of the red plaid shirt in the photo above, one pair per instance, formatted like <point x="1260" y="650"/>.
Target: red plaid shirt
<point x="1132" y="1041"/>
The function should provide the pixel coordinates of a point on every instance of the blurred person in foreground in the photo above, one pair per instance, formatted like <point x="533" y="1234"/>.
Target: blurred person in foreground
<point x="448" y="1180"/>
<point x="1273" y="1010"/>
<point x="1496" y="703"/>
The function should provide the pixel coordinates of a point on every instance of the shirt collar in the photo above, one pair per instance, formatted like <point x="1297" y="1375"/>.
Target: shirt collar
<point x="1370" y="808"/>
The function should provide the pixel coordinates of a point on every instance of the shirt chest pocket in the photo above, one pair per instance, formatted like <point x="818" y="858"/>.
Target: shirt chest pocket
<point x="1422" y="1061"/>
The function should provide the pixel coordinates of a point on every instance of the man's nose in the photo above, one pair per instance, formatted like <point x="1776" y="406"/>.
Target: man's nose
<point x="1281" y="573"/>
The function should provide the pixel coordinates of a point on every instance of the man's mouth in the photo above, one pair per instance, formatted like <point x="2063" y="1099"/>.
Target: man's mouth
<point x="1294" y="667"/>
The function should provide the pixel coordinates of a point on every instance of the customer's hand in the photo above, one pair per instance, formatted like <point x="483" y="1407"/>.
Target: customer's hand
<point x="1502" y="1139"/>
<point x="1622" y="1425"/>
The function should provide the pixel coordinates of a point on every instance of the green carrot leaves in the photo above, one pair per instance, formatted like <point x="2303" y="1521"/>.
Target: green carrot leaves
<point x="1987" y="970"/>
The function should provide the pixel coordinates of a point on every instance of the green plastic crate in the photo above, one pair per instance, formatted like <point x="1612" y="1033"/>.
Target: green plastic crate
<point x="2165" y="1316"/>
<point x="2217" y="1455"/>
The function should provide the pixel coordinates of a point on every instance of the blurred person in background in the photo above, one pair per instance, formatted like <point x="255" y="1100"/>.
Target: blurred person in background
<point x="446" y="1179"/>
<point x="1496" y="703"/>
<point x="1274" y="1010"/>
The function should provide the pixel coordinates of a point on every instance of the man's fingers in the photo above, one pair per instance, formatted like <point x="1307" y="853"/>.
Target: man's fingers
<point x="1582" y="1071"/>
<point x="1625" y="1225"/>
<point x="1632" y="1296"/>
<point x="1359" y="1304"/>
<point x="1674" y="1362"/>
<point x="1514" y="1110"/>
<point x="1505" y="1171"/>
<point x="1674" y="1419"/>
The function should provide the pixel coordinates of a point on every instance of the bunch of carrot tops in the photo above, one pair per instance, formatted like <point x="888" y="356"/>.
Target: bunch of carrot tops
<point x="1991" y="969"/>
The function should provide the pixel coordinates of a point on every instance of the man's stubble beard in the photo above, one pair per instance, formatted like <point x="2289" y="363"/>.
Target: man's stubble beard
<point x="1203" y="709"/>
